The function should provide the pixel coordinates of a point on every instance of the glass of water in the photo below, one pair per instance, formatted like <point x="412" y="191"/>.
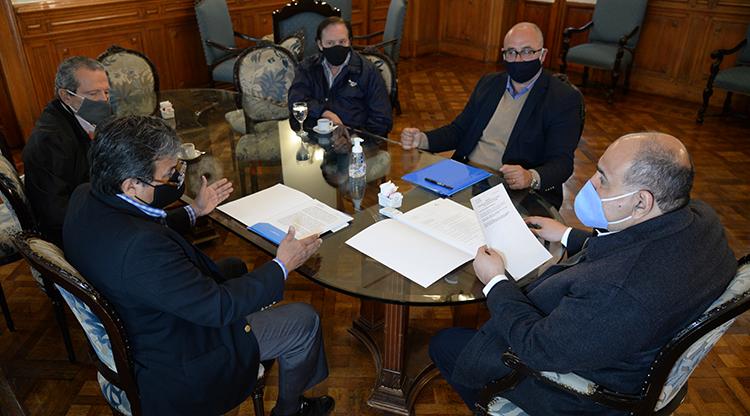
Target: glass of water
<point x="299" y="110"/>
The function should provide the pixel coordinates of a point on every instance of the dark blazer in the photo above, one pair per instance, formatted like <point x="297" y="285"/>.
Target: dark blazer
<point x="357" y="96"/>
<point x="186" y="322"/>
<point x="55" y="161"/>
<point x="544" y="138"/>
<point x="606" y="317"/>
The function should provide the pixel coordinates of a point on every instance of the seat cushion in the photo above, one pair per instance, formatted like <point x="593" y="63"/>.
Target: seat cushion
<point x="735" y="79"/>
<point x="597" y="55"/>
<point x="500" y="406"/>
<point x="116" y="398"/>
<point x="224" y="72"/>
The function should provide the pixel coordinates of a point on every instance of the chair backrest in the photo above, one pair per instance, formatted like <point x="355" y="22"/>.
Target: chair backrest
<point x="394" y="28"/>
<point x="345" y="6"/>
<point x="262" y="76"/>
<point x="14" y="196"/>
<point x="295" y="43"/>
<point x="614" y="19"/>
<point x="677" y="360"/>
<point x="303" y="15"/>
<point x="385" y="65"/>
<point x="133" y="81"/>
<point x="743" y="56"/>
<point x="214" y="24"/>
<point x="100" y="322"/>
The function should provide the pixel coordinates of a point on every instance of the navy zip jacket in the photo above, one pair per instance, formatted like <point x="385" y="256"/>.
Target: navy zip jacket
<point x="358" y="95"/>
<point x="544" y="138"/>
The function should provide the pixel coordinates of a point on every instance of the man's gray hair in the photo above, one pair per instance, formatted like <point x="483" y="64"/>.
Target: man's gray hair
<point x="128" y="147"/>
<point x="660" y="171"/>
<point x="65" y="77"/>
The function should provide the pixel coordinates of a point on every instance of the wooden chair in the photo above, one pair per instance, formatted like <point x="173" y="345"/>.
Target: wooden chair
<point x="666" y="385"/>
<point x="305" y="16"/>
<point x="133" y="81"/>
<point x="102" y="325"/>
<point x="613" y="37"/>
<point x="733" y="79"/>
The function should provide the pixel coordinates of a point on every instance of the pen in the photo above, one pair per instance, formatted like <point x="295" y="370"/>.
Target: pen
<point x="438" y="183"/>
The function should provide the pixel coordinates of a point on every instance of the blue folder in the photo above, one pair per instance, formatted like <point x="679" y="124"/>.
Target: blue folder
<point x="268" y="231"/>
<point x="456" y="175"/>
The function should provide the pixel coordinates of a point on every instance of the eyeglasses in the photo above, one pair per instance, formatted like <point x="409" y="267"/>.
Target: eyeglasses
<point x="177" y="178"/>
<point x="526" y="53"/>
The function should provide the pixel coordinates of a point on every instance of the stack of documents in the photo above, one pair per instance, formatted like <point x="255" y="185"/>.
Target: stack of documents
<point x="270" y="212"/>
<point x="430" y="241"/>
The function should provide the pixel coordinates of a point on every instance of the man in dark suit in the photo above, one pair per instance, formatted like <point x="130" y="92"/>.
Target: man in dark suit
<point x="198" y="329"/>
<point x="523" y="122"/>
<point x="657" y="262"/>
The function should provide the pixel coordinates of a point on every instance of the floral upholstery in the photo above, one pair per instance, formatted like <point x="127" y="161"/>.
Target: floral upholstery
<point x="295" y="44"/>
<point x="236" y="119"/>
<point x="386" y="70"/>
<point x="265" y="74"/>
<point x="132" y="82"/>
<point x="262" y="144"/>
<point x="8" y="226"/>
<point x="500" y="406"/>
<point x="571" y="381"/>
<point x="206" y="166"/>
<point x="114" y="395"/>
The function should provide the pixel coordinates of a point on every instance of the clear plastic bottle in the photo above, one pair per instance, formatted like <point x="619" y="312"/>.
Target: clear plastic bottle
<point x="357" y="166"/>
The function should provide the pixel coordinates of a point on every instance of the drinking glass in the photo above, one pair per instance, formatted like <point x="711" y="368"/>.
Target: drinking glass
<point x="299" y="110"/>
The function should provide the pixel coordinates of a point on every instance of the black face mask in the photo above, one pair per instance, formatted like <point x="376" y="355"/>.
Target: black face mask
<point x="336" y="55"/>
<point x="523" y="71"/>
<point x="93" y="111"/>
<point x="164" y="195"/>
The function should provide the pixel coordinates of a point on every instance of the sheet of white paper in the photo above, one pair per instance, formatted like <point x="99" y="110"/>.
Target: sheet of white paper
<point x="505" y="231"/>
<point x="262" y="205"/>
<point x="419" y="257"/>
<point x="312" y="217"/>
<point x="449" y="222"/>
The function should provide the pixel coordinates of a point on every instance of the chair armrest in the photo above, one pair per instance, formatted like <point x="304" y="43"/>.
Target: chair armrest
<point x="494" y="388"/>
<point x="383" y="43"/>
<point x="249" y="38"/>
<point x="223" y="47"/>
<point x="368" y="36"/>
<point x="571" y="30"/>
<point x="624" y="40"/>
<point x="721" y="53"/>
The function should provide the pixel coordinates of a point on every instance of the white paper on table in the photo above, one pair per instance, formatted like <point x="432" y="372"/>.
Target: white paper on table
<point x="505" y="231"/>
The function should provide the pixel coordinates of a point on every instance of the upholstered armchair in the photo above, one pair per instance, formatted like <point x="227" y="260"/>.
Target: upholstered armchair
<point x="133" y="81"/>
<point x="733" y="79"/>
<point x="16" y="205"/>
<point x="666" y="385"/>
<point x="302" y="15"/>
<point x="102" y="325"/>
<point x="388" y="71"/>
<point x="613" y="37"/>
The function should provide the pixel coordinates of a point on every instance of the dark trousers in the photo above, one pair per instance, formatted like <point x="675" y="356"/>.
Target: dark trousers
<point x="445" y="348"/>
<point x="292" y="334"/>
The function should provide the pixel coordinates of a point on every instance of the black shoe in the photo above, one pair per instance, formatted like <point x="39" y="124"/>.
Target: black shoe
<point x="316" y="406"/>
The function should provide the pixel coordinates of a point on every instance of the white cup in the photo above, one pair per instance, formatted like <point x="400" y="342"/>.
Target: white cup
<point x="325" y="124"/>
<point x="188" y="150"/>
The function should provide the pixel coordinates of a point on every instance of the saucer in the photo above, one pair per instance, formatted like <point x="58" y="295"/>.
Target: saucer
<point x="321" y="131"/>
<point x="196" y="155"/>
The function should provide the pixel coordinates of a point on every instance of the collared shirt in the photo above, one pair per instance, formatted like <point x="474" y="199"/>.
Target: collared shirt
<point x="87" y="127"/>
<point x="515" y="95"/>
<point x="328" y="69"/>
<point x="155" y="212"/>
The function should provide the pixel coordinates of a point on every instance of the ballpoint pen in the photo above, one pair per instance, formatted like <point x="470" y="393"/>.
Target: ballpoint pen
<point x="438" y="183"/>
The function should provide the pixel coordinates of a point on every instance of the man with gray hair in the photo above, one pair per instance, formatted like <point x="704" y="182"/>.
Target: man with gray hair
<point x="198" y="328"/>
<point x="655" y="262"/>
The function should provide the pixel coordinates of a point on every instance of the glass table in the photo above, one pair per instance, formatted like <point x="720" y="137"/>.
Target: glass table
<point x="268" y="153"/>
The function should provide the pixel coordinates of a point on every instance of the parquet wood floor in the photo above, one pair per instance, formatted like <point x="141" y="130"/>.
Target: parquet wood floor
<point x="433" y="90"/>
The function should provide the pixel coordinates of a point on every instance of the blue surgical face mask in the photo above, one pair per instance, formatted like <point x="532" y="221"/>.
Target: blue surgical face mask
<point x="589" y="210"/>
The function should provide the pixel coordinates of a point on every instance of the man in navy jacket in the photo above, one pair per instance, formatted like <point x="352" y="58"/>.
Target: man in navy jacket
<point x="197" y="328"/>
<point x="523" y="122"/>
<point x="657" y="262"/>
<point x="341" y="85"/>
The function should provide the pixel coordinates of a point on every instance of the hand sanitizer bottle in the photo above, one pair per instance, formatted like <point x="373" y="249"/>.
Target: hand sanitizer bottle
<point x="357" y="166"/>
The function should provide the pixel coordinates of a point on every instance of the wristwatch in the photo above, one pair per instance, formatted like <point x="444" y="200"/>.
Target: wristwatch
<point x="534" y="181"/>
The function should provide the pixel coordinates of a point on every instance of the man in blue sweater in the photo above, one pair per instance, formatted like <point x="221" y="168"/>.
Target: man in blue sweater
<point x="655" y="262"/>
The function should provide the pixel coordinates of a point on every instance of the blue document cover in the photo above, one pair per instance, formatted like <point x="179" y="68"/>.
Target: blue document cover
<point x="268" y="231"/>
<point x="446" y="177"/>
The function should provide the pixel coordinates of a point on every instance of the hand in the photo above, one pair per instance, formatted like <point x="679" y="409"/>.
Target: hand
<point x="342" y="143"/>
<point x="294" y="253"/>
<point x="209" y="196"/>
<point x="516" y="177"/>
<point x="488" y="263"/>
<point x="550" y="230"/>
<point x="333" y="117"/>
<point x="411" y="138"/>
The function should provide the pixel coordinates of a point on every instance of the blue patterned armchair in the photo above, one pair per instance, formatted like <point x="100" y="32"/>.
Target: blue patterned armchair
<point x="666" y="386"/>
<point x="387" y="69"/>
<point x="612" y="41"/>
<point x="304" y="15"/>
<point x="733" y="79"/>
<point x="133" y="81"/>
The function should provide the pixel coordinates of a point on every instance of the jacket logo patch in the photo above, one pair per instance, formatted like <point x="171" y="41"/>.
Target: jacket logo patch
<point x="352" y="84"/>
